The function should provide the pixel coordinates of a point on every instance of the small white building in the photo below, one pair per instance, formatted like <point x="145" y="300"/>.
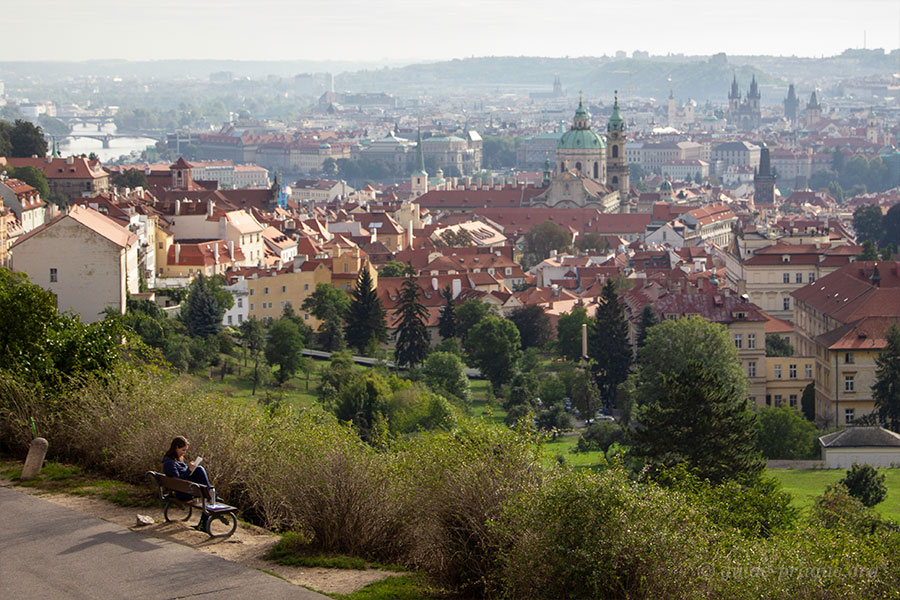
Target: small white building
<point x="873" y="446"/>
<point x="86" y="259"/>
<point x="240" y="309"/>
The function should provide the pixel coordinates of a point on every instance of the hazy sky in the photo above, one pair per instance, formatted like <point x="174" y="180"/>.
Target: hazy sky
<point x="415" y="30"/>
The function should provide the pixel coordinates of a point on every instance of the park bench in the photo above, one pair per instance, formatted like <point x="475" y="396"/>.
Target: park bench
<point x="221" y="520"/>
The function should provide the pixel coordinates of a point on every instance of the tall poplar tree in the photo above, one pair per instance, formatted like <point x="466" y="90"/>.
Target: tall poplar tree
<point x="366" y="317"/>
<point x="412" y="336"/>
<point x="608" y="345"/>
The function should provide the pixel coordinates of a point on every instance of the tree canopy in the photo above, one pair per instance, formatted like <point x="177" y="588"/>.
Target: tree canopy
<point x="533" y="325"/>
<point x="493" y="347"/>
<point x="283" y="348"/>
<point x="568" y="332"/>
<point x="22" y="139"/>
<point x="204" y="306"/>
<point x="330" y="305"/>
<point x="366" y="326"/>
<point x="886" y="390"/>
<point x="130" y="178"/>
<point x="32" y="176"/>
<point x="608" y="346"/>
<point x="544" y="237"/>
<point x="447" y="320"/>
<point x="412" y="334"/>
<point x="778" y="346"/>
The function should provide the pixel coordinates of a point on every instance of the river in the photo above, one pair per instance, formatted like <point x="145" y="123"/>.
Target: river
<point x="118" y="147"/>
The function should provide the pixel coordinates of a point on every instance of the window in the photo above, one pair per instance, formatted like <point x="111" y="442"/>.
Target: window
<point x="751" y="368"/>
<point x="265" y="291"/>
<point x="251" y="293"/>
<point x="798" y="277"/>
<point x="751" y="341"/>
<point x="282" y="304"/>
<point x="305" y="287"/>
<point x="240" y="318"/>
<point x="777" y="369"/>
<point x="849" y="413"/>
<point x="848" y="358"/>
<point x="808" y="371"/>
<point x="811" y="277"/>
<point x="251" y="306"/>
<point x="53" y="275"/>
<point x="229" y="319"/>
<point x="738" y="341"/>
<point x="240" y="303"/>
<point x="849" y="383"/>
<point x="792" y="371"/>
<point x="787" y="304"/>
<point x="778" y="400"/>
<point x="306" y="316"/>
<point x="792" y="399"/>
<point x="785" y="277"/>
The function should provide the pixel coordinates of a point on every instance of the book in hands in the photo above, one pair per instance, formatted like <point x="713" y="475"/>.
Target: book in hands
<point x="197" y="462"/>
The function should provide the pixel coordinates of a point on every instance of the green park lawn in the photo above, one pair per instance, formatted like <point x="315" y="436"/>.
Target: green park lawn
<point x="806" y="484"/>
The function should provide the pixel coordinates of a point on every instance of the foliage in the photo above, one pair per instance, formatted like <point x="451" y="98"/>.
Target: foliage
<point x="703" y="420"/>
<point x="330" y="305"/>
<point x="778" y="346"/>
<point x="499" y="151"/>
<point x="860" y="173"/>
<point x="32" y="176"/>
<point x="22" y="139"/>
<point x="870" y="252"/>
<point x="253" y="336"/>
<point x="130" y="178"/>
<point x="886" y="389"/>
<point x="205" y="305"/>
<point x="362" y="401"/>
<point x="868" y="221"/>
<point x="533" y="325"/>
<point x="469" y="314"/>
<point x="395" y="268"/>
<point x="866" y="484"/>
<point x="672" y="345"/>
<point x="649" y="318"/>
<point x="522" y="389"/>
<point x="493" y="347"/>
<point x="445" y="373"/>
<point x="283" y="348"/>
<point x="608" y="345"/>
<point x="554" y="418"/>
<point x="416" y="409"/>
<point x="413" y="339"/>
<point x="551" y="390"/>
<point x="365" y="317"/>
<point x="600" y="436"/>
<point x="447" y="320"/>
<point x="592" y="242"/>
<point x="808" y="401"/>
<point x="837" y="509"/>
<point x="568" y="332"/>
<point x="585" y="395"/>
<point x="783" y="434"/>
<point x="544" y="237"/>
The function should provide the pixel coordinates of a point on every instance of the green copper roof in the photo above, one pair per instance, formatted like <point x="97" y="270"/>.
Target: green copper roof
<point x="615" y="123"/>
<point x="665" y="186"/>
<point x="580" y="138"/>
<point x="581" y="112"/>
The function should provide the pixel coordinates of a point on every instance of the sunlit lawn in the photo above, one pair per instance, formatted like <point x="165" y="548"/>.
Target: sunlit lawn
<point x="806" y="484"/>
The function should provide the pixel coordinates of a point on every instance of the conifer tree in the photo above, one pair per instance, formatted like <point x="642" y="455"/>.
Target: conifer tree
<point x="608" y="345"/>
<point x="202" y="314"/>
<point x="447" y="320"/>
<point x="649" y="318"/>
<point x="412" y="336"/>
<point x="886" y="390"/>
<point x="366" y="317"/>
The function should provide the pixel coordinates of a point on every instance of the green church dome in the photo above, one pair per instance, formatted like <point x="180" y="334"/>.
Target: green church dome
<point x="577" y="139"/>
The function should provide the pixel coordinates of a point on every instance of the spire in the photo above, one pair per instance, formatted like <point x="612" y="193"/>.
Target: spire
<point x="754" y="89"/>
<point x="582" y="116"/>
<point x="420" y="155"/>
<point x="735" y="92"/>
<point x="547" y="171"/>
<point x="615" y="122"/>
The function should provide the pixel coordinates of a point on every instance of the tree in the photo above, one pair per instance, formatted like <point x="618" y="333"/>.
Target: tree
<point x="808" y="401"/>
<point x="283" y="348"/>
<point x="533" y="325"/>
<point x="33" y="177"/>
<point x="649" y="318"/>
<point x="778" y="346"/>
<point x="253" y="334"/>
<point x="701" y="419"/>
<point x="868" y="221"/>
<point x="445" y="373"/>
<point x="886" y="389"/>
<point x="365" y="317"/>
<point x="469" y="314"/>
<point x="866" y="484"/>
<point x="783" y="434"/>
<point x="447" y="320"/>
<point x="412" y="335"/>
<point x="891" y="227"/>
<point x="395" y="268"/>
<point x="329" y="305"/>
<point x="568" y="332"/>
<point x="585" y="395"/>
<point x="202" y="312"/>
<point x="592" y="241"/>
<point x="870" y="252"/>
<point x="608" y="345"/>
<point x="27" y="140"/>
<point x="544" y="237"/>
<point x="130" y="178"/>
<point x="672" y="345"/>
<point x="493" y="347"/>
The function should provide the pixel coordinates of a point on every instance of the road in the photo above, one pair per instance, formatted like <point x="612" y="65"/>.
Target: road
<point x="49" y="551"/>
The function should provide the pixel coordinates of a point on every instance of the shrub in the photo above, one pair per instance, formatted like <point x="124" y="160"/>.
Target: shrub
<point x="600" y="436"/>
<point x="445" y="372"/>
<point x="866" y="484"/>
<point x="783" y="433"/>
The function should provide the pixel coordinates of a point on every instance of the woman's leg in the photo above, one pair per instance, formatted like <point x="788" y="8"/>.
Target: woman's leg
<point x="199" y="476"/>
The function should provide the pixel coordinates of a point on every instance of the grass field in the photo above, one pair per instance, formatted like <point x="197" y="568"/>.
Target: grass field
<point x="806" y="484"/>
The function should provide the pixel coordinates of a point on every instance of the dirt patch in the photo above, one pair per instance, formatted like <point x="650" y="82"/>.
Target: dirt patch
<point x="247" y="546"/>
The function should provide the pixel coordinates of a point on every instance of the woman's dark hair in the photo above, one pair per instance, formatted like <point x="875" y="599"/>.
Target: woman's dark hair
<point x="179" y="442"/>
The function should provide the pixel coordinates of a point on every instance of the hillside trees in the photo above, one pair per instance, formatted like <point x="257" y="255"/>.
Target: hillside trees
<point x="366" y="326"/>
<point x="330" y="305"/>
<point x="22" y="139"/>
<point x="204" y="306"/>
<point x="544" y="237"/>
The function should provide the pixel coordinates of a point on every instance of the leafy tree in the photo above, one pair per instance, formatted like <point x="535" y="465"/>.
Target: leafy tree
<point x="870" y="252"/>
<point x="600" y="436"/>
<point x="701" y="419"/>
<point x="254" y="338"/>
<point x="130" y="178"/>
<point x="649" y="318"/>
<point x="608" y="345"/>
<point x="395" y="268"/>
<point x="778" y="346"/>
<point x="365" y="317"/>
<point x="493" y="347"/>
<point x="868" y="221"/>
<point x="499" y="151"/>
<point x="305" y="330"/>
<point x="5" y="143"/>
<point x="672" y="345"/>
<point x="808" y="401"/>
<point x="551" y="390"/>
<point x="328" y="304"/>
<point x="784" y="434"/>
<point x="447" y="320"/>
<point x="469" y="314"/>
<point x="544" y="237"/>
<point x="886" y="389"/>
<point x="362" y="401"/>
<point x="27" y="140"/>
<point x="592" y="241"/>
<point x="554" y="419"/>
<point x="585" y="395"/>
<point x="33" y="177"/>
<point x="533" y="325"/>
<point x="283" y="348"/>
<point x="866" y="484"/>
<point x="892" y="227"/>
<point x="445" y="373"/>
<point x="523" y="389"/>
<point x="202" y="312"/>
<point x="568" y="332"/>
<point x="412" y="335"/>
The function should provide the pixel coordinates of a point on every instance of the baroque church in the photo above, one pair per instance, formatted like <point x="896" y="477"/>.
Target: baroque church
<point x="590" y="171"/>
<point x="744" y="115"/>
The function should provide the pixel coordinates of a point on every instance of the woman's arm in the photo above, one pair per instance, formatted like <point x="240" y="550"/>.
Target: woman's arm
<point x="174" y="468"/>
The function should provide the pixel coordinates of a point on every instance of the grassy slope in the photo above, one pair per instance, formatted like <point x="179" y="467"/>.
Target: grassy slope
<point x="806" y="484"/>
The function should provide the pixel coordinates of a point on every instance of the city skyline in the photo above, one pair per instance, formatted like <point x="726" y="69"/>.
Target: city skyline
<point x="406" y="31"/>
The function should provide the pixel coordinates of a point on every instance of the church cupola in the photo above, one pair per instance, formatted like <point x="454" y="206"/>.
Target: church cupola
<point x="582" y="118"/>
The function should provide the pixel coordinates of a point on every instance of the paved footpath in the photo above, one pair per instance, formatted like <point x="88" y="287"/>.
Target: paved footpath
<point x="48" y="551"/>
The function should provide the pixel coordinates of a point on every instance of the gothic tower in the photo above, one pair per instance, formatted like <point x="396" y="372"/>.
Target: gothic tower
<point x="734" y="100"/>
<point x="813" y="110"/>
<point x="791" y="104"/>
<point x="872" y="129"/>
<point x="754" y="115"/>
<point x="419" y="177"/>
<point x="764" y="179"/>
<point x="617" y="169"/>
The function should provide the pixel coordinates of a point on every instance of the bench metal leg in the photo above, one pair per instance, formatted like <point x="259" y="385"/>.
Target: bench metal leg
<point x="221" y="525"/>
<point x="177" y="511"/>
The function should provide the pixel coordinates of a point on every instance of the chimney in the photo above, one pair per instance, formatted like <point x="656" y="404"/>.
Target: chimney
<point x="434" y="283"/>
<point x="457" y="288"/>
<point x="210" y="205"/>
<point x="216" y="252"/>
<point x="278" y="264"/>
<point x="177" y="207"/>
<point x="70" y="160"/>
<point x="231" y="250"/>
<point x="373" y="235"/>
<point x="177" y="252"/>
<point x="409" y="235"/>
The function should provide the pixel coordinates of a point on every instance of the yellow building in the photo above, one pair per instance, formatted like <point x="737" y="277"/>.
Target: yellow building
<point x="786" y="378"/>
<point x="270" y="290"/>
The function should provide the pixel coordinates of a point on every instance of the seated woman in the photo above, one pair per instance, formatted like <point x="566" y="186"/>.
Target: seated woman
<point x="174" y="466"/>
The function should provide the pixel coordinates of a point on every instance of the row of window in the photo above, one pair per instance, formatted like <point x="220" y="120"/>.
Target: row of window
<point x="798" y="277"/>
<point x="779" y="400"/>
<point x="792" y="370"/>
<point x="283" y="289"/>
<point x="739" y="341"/>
